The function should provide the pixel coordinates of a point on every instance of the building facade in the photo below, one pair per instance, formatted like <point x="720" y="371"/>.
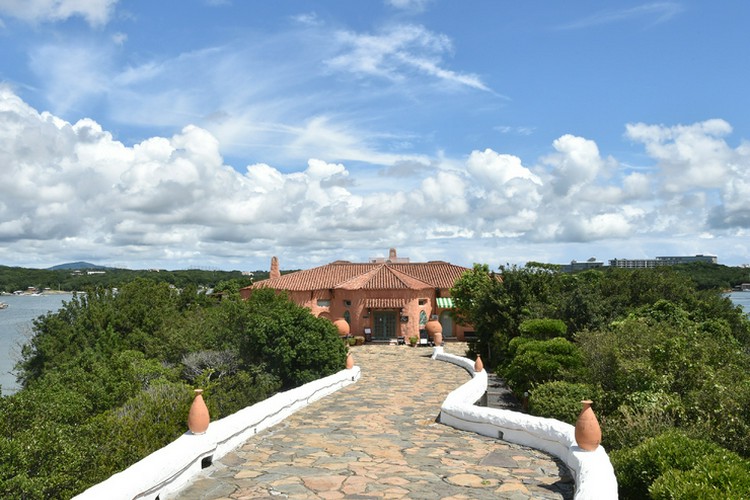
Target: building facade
<point x="575" y="266"/>
<point x="382" y="300"/>
<point x="662" y="261"/>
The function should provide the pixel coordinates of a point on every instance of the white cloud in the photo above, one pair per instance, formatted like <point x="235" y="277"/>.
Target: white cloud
<point x="576" y="163"/>
<point x="497" y="169"/>
<point x="654" y="13"/>
<point x="95" y="12"/>
<point x="409" y="5"/>
<point x="72" y="73"/>
<point x="397" y="52"/>
<point x="71" y="191"/>
<point x="689" y="156"/>
<point x="518" y="130"/>
<point x="581" y="227"/>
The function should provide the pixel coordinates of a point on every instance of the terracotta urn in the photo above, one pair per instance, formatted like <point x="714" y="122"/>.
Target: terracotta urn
<point x="342" y="326"/>
<point x="198" y="417"/>
<point x="588" y="433"/>
<point x="349" y="361"/>
<point x="478" y="365"/>
<point x="433" y="326"/>
<point x="438" y="338"/>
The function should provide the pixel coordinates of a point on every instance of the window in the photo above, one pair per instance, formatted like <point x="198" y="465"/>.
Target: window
<point x="422" y="302"/>
<point x="348" y="303"/>
<point x="324" y="302"/>
<point x="348" y="317"/>
<point x="422" y="318"/>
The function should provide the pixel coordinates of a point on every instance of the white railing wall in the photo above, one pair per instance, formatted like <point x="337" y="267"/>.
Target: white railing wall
<point x="594" y="475"/>
<point x="169" y="469"/>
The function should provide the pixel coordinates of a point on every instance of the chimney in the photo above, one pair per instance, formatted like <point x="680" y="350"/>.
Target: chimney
<point x="392" y="255"/>
<point x="275" y="273"/>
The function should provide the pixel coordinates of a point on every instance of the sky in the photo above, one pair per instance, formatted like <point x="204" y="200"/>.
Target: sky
<point x="216" y="134"/>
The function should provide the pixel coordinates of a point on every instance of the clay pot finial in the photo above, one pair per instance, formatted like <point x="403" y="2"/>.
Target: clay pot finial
<point x="198" y="417"/>
<point x="588" y="433"/>
<point x="342" y="326"/>
<point x="478" y="365"/>
<point x="349" y="361"/>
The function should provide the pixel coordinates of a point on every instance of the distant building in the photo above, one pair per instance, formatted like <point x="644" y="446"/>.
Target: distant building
<point x="382" y="299"/>
<point x="633" y="263"/>
<point x="661" y="261"/>
<point x="671" y="261"/>
<point x="582" y="266"/>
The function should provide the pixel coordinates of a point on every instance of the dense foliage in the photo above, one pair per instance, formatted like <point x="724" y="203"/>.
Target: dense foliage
<point x="124" y="364"/>
<point x="665" y="358"/>
<point x="19" y="278"/>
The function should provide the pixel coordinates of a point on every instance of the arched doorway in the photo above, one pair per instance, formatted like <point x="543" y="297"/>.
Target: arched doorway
<point x="446" y="321"/>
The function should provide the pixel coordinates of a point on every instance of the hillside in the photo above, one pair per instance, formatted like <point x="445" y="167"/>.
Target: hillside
<point x="75" y="265"/>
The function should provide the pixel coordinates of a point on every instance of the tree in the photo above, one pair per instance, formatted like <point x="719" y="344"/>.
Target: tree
<point x="297" y="346"/>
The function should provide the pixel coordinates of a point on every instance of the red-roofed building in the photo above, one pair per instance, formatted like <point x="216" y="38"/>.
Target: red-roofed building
<point x="383" y="299"/>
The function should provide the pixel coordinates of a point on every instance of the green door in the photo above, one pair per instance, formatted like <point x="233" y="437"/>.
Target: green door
<point x="384" y="327"/>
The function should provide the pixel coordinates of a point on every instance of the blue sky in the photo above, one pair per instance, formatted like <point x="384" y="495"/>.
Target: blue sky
<point x="216" y="134"/>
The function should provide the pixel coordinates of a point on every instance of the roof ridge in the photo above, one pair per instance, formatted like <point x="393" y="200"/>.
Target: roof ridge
<point x="359" y="280"/>
<point x="409" y="278"/>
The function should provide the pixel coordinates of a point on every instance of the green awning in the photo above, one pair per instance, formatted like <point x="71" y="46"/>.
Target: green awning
<point x="445" y="302"/>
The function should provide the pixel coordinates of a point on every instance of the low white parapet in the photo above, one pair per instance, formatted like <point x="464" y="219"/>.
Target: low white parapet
<point x="593" y="472"/>
<point x="169" y="469"/>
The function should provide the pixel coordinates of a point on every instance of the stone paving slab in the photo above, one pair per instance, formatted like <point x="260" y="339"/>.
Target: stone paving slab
<point x="379" y="438"/>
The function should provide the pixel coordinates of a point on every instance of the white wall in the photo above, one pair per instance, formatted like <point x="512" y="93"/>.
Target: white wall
<point x="594" y="475"/>
<point x="169" y="469"/>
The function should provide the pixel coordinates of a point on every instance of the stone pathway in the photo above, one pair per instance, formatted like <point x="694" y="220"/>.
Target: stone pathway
<point x="379" y="438"/>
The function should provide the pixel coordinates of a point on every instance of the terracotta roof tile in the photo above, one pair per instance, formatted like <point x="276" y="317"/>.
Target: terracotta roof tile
<point x="373" y="276"/>
<point x="385" y="303"/>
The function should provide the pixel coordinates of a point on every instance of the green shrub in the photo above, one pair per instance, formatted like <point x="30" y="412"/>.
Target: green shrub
<point x="239" y="390"/>
<point x="638" y="468"/>
<point x="561" y="400"/>
<point x="295" y="345"/>
<point x="148" y="421"/>
<point x="720" y="477"/>
<point x="639" y="416"/>
<point x="539" y="361"/>
<point x="48" y="460"/>
<point x="543" y="329"/>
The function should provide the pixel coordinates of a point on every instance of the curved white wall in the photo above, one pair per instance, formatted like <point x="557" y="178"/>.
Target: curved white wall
<point x="594" y="475"/>
<point x="169" y="469"/>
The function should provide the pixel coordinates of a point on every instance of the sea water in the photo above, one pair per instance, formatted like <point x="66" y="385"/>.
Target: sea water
<point x="16" y="322"/>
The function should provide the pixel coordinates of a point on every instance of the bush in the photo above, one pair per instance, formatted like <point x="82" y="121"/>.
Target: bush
<point x="561" y="400"/>
<point x="296" y="346"/>
<point x="148" y="421"/>
<point x="359" y="340"/>
<point x="539" y="361"/>
<point x="232" y="393"/>
<point x="671" y="452"/>
<point x="641" y="415"/>
<point x="543" y="329"/>
<point x="719" y="477"/>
